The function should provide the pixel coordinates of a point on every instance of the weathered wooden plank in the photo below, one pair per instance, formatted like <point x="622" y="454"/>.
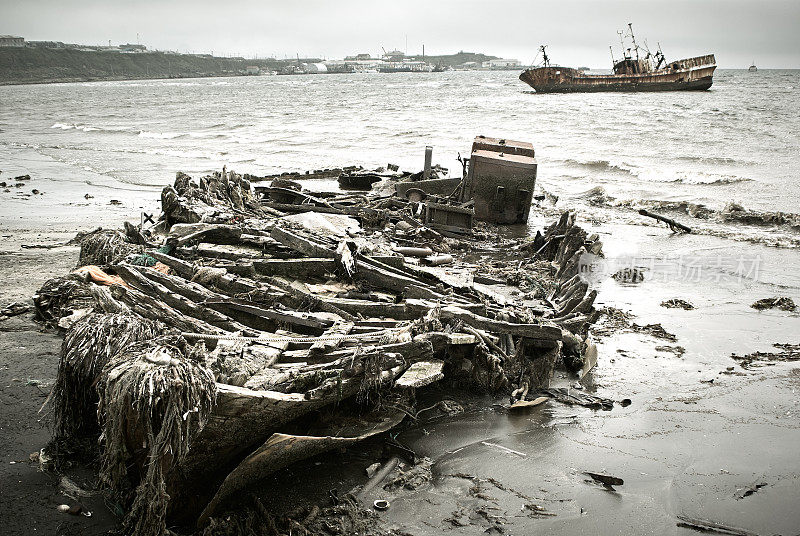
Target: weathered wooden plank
<point x="420" y="374"/>
<point x="300" y="243"/>
<point x="533" y="331"/>
<point x="323" y="347"/>
<point x="295" y="268"/>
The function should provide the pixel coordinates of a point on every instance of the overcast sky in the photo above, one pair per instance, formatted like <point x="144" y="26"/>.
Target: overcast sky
<point x="578" y="32"/>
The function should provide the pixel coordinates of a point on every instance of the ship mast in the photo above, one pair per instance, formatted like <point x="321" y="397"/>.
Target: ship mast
<point x="660" y="57"/>
<point x="622" y="44"/>
<point x="545" y="59"/>
<point x="635" y="46"/>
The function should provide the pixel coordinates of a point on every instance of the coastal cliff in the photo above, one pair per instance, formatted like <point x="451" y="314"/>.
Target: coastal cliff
<point x="39" y="65"/>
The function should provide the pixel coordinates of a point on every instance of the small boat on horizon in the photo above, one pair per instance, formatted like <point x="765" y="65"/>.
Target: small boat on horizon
<point x="650" y="72"/>
<point x="753" y="67"/>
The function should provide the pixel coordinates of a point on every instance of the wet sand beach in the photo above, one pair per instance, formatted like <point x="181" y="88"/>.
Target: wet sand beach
<point x="702" y="432"/>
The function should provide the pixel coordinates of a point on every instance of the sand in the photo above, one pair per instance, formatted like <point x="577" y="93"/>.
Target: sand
<point x="686" y="445"/>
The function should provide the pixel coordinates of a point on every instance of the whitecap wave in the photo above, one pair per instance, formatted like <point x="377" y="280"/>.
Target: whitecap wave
<point x="89" y="128"/>
<point x="160" y="135"/>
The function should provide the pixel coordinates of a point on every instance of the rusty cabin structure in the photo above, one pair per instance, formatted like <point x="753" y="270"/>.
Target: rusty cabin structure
<point x="500" y="179"/>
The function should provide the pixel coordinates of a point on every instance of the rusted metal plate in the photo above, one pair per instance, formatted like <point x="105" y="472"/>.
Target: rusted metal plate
<point x="448" y="217"/>
<point x="499" y="145"/>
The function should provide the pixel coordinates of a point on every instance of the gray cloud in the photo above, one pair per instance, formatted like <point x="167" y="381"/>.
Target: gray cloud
<point x="577" y="31"/>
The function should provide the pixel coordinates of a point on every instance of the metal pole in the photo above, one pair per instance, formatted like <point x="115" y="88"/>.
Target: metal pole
<point x="633" y="39"/>
<point x="426" y="174"/>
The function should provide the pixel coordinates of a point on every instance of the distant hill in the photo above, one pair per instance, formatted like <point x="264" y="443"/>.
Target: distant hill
<point x="454" y="60"/>
<point x="38" y="65"/>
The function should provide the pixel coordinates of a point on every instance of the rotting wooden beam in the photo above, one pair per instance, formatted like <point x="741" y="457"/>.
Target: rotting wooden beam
<point x="288" y="317"/>
<point x="323" y="347"/>
<point x="533" y="331"/>
<point x="295" y="268"/>
<point x="299" y="243"/>
<point x="179" y="301"/>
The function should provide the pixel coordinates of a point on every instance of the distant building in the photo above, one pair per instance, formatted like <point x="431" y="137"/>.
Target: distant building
<point x="252" y="69"/>
<point x="132" y="48"/>
<point x="11" y="41"/>
<point x="45" y="44"/>
<point x="358" y="57"/>
<point x="394" y="56"/>
<point x="315" y="68"/>
<point x="500" y="64"/>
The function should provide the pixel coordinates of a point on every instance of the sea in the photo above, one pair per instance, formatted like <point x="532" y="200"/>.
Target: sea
<point x="737" y="143"/>
<point x="725" y="162"/>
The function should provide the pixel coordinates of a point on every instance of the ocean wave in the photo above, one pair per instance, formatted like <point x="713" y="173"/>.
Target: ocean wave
<point x="773" y="229"/>
<point x="161" y="135"/>
<point x="734" y="212"/>
<point x="600" y="165"/>
<point x="701" y="178"/>
<point x="202" y="134"/>
<point x="88" y="128"/>
<point x="731" y="213"/>
<point x="717" y="160"/>
<point x="207" y="135"/>
<point x="715" y="179"/>
<point x="658" y="175"/>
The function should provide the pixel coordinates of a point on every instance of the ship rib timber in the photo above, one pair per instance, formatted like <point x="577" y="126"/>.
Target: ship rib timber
<point x="682" y="75"/>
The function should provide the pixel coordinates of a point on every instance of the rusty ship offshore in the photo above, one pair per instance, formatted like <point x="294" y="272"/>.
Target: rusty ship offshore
<point x="634" y="72"/>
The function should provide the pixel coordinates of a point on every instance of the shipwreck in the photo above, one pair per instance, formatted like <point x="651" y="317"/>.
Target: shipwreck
<point x="634" y="72"/>
<point x="257" y="324"/>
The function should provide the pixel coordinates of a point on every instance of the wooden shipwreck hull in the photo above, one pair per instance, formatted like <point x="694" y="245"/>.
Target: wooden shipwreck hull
<point x="289" y="329"/>
<point x="687" y="74"/>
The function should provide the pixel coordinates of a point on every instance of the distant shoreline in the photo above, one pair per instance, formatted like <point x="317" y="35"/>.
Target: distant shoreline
<point x="34" y="65"/>
<point x="88" y="79"/>
<point x="79" y="80"/>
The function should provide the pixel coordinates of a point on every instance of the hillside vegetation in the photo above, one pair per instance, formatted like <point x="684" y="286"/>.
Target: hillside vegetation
<point x="33" y="65"/>
<point x="454" y="60"/>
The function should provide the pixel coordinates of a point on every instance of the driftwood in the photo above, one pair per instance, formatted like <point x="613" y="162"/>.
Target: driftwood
<point x="380" y="275"/>
<point x="184" y="268"/>
<point x="178" y="300"/>
<point x="411" y="350"/>
<point x="312" y="301"/>
<point x="215" y="233"/>
<point x="532" y="331"/>
<point x="704" y="525"/>
<point x="295" y="268"/>
<point x="303" y="320"/>
<point x="299" y="243"/>
<point x="280" y="450"/>
<point x="323" y="347"/>
<point x="673" y="225"/>
<point x="149" y="307"/>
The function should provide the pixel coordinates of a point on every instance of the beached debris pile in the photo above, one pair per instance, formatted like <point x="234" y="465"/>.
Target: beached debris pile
<point x="235" y="337"/>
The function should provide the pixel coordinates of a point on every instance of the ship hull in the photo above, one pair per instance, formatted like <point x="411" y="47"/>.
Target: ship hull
<point x="693" y="74"/>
